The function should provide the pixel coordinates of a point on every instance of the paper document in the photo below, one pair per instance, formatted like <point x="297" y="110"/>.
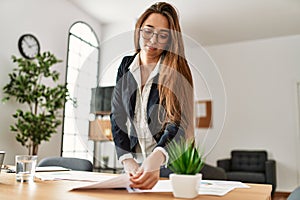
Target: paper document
<point x="50" y="169"/>
<point x="91" y="180"/>
<point x="207" y="187"/>
<point x="120" y="181"/>
<point x="74" y="176"/>
<point x="219" y="188"/>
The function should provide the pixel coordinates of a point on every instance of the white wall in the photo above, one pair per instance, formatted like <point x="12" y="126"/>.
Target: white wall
<point x="49" y="21"/>
<point x="262" y="113"/>
<point x="117" y="41"/>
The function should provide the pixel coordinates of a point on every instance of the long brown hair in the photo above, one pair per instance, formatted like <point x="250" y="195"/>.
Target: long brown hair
<point x="175" y="78"/>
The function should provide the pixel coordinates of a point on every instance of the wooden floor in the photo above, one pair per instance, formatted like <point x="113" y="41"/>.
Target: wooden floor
<point x="280" y="196"/>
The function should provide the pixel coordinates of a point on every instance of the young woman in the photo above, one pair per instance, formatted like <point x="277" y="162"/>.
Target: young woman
<point x="153" y="99"/>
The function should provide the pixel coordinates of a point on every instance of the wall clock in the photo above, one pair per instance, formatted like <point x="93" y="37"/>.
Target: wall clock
<point x="29" y="46"/>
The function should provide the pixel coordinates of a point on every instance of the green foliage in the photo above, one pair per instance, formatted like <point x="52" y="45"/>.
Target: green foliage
<point x="27" y="86"/>
<point x="184" y="157"/>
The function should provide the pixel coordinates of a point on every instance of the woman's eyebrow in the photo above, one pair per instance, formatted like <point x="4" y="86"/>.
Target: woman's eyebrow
<point x="160" y="30"/>
<point x="164" y="30"/>
<point x="150" y="26"/>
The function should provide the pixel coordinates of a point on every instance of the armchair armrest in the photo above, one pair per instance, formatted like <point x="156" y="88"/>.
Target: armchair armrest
<point x="225" y="164"/>
<point x="271" y="173"/>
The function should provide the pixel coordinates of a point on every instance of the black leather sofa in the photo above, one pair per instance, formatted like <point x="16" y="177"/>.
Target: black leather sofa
<point x="250" y="166"/>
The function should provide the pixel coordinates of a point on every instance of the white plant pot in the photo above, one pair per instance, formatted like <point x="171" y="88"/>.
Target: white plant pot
<point x="185" y="186"/>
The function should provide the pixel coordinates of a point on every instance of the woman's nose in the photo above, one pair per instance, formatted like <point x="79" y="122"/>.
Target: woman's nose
<point x="153" y="39"/>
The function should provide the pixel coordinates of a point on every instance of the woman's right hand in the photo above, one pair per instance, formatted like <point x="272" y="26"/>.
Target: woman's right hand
<point x="130" y="166"/>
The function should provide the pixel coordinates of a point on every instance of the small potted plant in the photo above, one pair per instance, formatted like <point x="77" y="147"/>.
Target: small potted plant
<point x="186" y="161"/>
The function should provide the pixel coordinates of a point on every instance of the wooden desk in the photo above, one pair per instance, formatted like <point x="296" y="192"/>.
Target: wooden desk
<point x="56" y="190"/>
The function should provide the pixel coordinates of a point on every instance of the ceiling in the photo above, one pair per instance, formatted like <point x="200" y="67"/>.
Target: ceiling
<point x="210" y="22"/>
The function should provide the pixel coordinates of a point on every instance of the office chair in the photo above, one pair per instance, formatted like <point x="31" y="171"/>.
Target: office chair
<point x="213" y="173"/>
<point x="208" y="172"/>
<point x="77" y="164"/>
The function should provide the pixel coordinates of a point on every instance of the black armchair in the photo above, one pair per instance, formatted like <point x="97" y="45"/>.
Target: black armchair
<point x="250" y="167"/>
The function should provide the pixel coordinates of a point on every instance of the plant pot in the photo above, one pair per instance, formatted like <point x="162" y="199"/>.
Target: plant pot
<point x="185" y="186"/>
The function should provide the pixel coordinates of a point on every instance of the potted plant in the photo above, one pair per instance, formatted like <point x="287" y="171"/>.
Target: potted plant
<point x="39" y="119"/>
<point x="186" y="161"/>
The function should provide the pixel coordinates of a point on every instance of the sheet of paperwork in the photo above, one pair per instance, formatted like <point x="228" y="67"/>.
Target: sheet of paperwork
<point x="90" y="180"/>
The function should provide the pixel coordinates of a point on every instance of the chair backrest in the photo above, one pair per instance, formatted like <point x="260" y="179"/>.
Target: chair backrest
<point x="70" y="163"/>
<point x="250" y="161"/>
<point x="295" y="195"/>
<point x="213" y="173"/>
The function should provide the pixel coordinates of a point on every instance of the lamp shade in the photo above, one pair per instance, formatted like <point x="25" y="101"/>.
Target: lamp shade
<point x="100" y="130"/>
<point x="101" y="99"/>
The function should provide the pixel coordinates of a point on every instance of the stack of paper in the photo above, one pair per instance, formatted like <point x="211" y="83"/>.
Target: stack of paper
<point x="102" y="181"/>
<point x="207" y="187"/>
<point x="73" y="176"/>
<point x="50" y="169"/>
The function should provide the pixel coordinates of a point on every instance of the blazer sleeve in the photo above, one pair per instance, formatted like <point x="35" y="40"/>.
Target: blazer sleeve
<point x="118" y="115"/>
<point x="171" y="131"/>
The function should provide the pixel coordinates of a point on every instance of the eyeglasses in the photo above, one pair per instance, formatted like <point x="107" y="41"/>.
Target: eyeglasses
<point x="162" y="37"/>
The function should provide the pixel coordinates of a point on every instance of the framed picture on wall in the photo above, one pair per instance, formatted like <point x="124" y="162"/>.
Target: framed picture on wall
<point x="203" y="111"/>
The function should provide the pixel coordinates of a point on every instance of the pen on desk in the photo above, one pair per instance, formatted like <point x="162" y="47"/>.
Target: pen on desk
<point x="205" y="183"/>
<point x="131" y="189"/>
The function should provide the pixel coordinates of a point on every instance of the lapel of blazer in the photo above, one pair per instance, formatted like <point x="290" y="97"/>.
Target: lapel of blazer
<point x="153" y="96"/>
<point x="131" y="92"/>
<point x="129" y="88"/>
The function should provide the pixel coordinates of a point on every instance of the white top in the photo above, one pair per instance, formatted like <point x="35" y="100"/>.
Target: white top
<point x="145" y="138"/>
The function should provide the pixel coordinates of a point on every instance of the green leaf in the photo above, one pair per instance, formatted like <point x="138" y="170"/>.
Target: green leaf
<point x="184" y="157"/>
<point x="39" y="120"/>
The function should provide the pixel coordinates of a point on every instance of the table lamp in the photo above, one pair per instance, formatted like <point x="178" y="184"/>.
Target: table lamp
<point x="99" y="125"/>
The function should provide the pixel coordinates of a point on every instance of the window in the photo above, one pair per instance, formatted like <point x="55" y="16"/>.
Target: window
<point x="81" y="76"/>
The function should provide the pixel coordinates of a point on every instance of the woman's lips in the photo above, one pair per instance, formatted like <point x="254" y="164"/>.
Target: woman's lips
<point x="151" y="48"/>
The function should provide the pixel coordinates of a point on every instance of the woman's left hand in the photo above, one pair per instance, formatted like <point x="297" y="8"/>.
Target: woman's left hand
<point x="148" y="174"/>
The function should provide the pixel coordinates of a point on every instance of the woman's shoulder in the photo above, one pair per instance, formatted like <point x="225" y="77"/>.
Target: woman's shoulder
<point x="125" y="64"/>
<point x="127" y="60"/>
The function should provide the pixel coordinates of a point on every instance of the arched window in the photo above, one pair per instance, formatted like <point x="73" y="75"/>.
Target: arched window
<point x="81" y="76"/>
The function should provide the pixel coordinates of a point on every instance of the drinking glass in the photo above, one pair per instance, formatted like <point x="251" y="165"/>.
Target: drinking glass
<point x="25" y="168"/>
<point x="2" y="154"/>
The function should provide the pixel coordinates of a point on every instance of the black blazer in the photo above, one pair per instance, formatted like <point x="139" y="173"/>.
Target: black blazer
<point x="123" y="109"/>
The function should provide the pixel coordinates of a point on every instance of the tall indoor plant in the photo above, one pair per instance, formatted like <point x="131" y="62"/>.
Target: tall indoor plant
<point x="39" y="119"/>
<point x="186" y="161"/>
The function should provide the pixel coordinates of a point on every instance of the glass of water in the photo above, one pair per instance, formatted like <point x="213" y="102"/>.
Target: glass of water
<point x="2" y="154"/>
<point x="25" y="168"/>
